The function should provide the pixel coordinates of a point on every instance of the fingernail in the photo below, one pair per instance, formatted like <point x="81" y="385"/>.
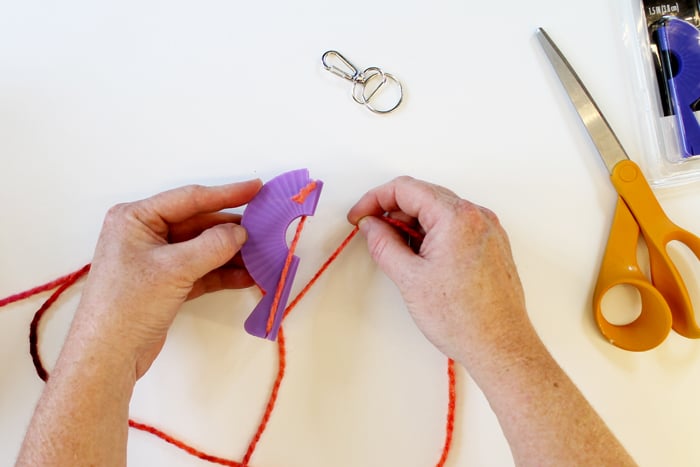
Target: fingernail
<point x="240" y="234"/>
<point x="364" y="224"/>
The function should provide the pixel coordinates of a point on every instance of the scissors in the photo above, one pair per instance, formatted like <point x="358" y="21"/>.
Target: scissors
<point x="665" y="299"/>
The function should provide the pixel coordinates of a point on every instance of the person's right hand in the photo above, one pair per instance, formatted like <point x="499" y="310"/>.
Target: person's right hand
<point x="461" y="286"/>
<point x="463" y="291"/>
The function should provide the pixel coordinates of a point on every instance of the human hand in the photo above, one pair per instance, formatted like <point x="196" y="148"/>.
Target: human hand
<point x="154" y="254"/>
<point x="461" y="286"/>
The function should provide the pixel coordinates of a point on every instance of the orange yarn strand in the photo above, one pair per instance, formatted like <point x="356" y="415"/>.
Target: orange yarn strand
<point x="281" y="367"/>
<point x="451" y="405"/>
<point x="405" y="228"/>
<point x="304" y="192"/>
<point x="179" y="444"/>
<point x="43" y="288"/>
<point x="318" y="274"/>
<point x="283" y="275"/>
<point x="63" y="284"/>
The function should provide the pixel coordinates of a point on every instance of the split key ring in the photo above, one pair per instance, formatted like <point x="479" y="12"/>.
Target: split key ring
<point x="377" y="90"/>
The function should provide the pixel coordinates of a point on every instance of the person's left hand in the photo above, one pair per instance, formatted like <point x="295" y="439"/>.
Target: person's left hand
<point x="153" y="255"/>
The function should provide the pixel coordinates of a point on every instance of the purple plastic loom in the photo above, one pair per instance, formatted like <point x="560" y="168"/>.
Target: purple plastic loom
<point x="267" y="218"/>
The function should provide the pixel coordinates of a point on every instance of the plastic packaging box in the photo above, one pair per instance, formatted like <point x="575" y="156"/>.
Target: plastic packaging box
<point x="663" y="39"/>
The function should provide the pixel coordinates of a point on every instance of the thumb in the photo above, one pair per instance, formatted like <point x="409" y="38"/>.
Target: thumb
<point x="209" y="250"/>
<point x="387" y="248"/>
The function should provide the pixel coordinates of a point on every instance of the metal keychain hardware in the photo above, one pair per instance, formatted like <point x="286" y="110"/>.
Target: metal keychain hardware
<point x="365" y="84"/>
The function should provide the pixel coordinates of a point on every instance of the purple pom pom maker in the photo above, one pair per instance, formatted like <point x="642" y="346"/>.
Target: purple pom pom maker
<point x="267" y="218"/>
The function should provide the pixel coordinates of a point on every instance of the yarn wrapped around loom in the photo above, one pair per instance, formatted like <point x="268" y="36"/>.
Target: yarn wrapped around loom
<point x="270" y="263"/>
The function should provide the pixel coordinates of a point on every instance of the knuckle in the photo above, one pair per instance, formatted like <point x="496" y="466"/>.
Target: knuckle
<point x="404" y="179"/>
<point x="194" y="193"/>
<point x="464" y="209"/>
<point x="474" y="218"/>
<point x="491" y="216"/>
<point x="117" y="213"/>
<point x="118" y="209"/>
<point x="193" y="189"/>
<point x="222" y="244"/>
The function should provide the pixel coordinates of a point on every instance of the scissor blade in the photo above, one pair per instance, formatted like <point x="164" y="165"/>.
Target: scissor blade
<point x="603" y="136"/>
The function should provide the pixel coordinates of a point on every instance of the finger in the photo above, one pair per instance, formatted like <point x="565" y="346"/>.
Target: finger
<point x="180" y="204"/>
<point x="387" y="248"/>
<point x="415" y="198"/>
<point x="223" y="278"/>
<point x="208" y="251"/>
<point x="197" y="224"/>
<point x="403" y="217"/>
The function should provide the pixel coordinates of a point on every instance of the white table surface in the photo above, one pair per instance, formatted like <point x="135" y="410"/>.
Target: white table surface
<point x="103" y="102"/>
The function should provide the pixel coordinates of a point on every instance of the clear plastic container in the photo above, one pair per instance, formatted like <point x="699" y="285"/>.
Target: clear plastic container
<point x="664" y="42"/>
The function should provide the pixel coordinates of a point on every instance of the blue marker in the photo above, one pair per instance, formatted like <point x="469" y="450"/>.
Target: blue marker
<point x="679" y="47"/>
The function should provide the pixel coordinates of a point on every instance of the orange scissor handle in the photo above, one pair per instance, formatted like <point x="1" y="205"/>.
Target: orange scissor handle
<point x="658" y="230"/>
<point x="620" y="267"/>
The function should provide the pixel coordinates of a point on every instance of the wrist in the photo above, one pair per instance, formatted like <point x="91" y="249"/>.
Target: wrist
<point x="99" y="366"/>
<point x="495" y="360"/>
<point x="87" y="397"/>
<point x="97" y="355"/>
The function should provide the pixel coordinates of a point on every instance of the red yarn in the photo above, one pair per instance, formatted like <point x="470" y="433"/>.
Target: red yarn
<point x="283" y="275"/>
<point x="63" y="283"/>
<point x="304" y="192"/>
<point x="281" y="367"/>
<point x="411" y="232"/>
<point x="323" y="268"/>
<point x="451" y="404"/>
<point x="177" y="443"/>
<point x="43" y="288"/>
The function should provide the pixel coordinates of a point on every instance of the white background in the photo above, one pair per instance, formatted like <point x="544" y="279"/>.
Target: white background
<point x="103" y="102"/>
